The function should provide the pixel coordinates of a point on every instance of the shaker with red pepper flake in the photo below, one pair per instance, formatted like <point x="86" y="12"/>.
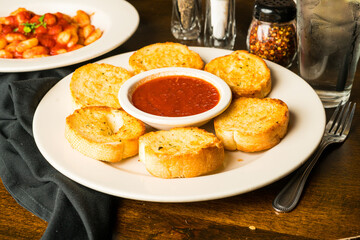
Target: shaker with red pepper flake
<point x="272" y="32"/>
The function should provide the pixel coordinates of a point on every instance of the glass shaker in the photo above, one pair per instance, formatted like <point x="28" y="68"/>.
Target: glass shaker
<point x="272" y="32"/>
<point x="220" y="24"/>
<point x="186" y="19"/>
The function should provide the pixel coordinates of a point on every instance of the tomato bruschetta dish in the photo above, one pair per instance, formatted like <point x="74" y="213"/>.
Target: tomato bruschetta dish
<point x="24" y="34"/>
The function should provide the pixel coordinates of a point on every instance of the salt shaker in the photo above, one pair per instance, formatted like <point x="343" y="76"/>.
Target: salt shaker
<point x="220" y="25"/>
<point x="186" y="19"/>
<point x="272" y="32"/>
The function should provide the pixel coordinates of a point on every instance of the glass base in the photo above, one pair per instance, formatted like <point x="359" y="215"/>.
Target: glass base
<point x="182" y="34"/>
<point x="331" y="99"/>
<point x="228" y="43"/>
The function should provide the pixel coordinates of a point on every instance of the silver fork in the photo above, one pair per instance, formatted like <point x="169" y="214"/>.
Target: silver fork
<point x="336" y="131"/>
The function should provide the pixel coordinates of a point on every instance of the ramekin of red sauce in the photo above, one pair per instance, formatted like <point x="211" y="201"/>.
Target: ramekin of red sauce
<point x="165" y="98"/>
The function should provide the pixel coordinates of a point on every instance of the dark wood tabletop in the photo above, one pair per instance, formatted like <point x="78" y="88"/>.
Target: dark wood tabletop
<point x="329" y="207"/>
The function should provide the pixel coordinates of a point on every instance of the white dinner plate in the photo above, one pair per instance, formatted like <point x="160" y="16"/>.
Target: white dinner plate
<point x="242" y="172"/>
<point x="117" y="18"/>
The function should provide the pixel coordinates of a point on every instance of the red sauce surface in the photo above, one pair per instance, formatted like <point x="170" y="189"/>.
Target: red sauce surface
<point x="175" y="96"/>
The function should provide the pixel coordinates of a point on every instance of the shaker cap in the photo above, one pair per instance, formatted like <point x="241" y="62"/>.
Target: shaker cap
<point x="275" y="10"/>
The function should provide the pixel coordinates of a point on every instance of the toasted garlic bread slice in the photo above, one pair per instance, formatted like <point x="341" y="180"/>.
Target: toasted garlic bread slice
<point x="181" y="152"/>
<point x="252" y="124"/>
<point x="97" y="84"/>
<point x="245" y="73"/>
<point x="104" y="133"/>
<point x="168" y="54"/>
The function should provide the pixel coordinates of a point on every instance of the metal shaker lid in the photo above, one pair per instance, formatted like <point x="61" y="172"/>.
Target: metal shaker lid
<point x="275" y="10"/>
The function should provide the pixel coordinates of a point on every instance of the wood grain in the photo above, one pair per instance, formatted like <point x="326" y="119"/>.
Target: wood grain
<point x="15" y="221"/>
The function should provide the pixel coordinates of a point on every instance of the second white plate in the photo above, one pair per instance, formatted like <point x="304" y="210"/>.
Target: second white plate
<point x="117" y="18"/>
<point x="242" y="172"/>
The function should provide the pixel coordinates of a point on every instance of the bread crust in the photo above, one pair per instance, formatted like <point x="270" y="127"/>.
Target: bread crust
<point x="252" y="124"/>
<point x="104" y="133"/>
<point x="181" y="152"/>
<point x="97" y="84"/>
<point x="168" y="54"/>
<point x="246" y="74"/>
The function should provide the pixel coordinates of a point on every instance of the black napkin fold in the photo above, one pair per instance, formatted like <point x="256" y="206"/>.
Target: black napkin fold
<point x="71" y="210"/>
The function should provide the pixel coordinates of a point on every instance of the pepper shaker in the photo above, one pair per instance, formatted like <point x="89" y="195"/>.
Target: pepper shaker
<point x="220" y="24"/>
<point x="186" y="19"/>
<point x="272" y="32"/>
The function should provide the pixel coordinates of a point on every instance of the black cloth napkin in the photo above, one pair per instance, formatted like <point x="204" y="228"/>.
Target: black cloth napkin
<point x="71" y="210"/>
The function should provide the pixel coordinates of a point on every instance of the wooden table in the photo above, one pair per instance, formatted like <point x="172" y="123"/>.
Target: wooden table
<point x="329" y="208"/>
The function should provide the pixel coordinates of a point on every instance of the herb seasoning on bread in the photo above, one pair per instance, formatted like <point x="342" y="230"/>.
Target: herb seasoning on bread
<point x="252" y="124"/>
<point x="245" y="73"/>
<point x="97" y="84"/>
<point x="181" y="152"/>
<point x="166" y="54"/>
<point x="104" y="133"/>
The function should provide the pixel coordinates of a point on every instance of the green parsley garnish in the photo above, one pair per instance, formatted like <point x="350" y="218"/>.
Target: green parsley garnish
<point x="30" y="27"/>
<point x="41" y="19"/>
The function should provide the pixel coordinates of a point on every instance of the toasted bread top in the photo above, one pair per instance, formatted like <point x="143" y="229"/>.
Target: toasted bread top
<point x="253" y="115"/>
<point x="245" y="73"/>
<point x="168" y="54"/>
<point x="179" y="141"/>
<point x="104" y="124"/>
<point x="181" y="152"/>
<point x="97" y="84"/>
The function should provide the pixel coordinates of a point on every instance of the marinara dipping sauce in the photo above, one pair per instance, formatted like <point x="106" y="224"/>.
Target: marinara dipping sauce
<point x="175" y="96"/>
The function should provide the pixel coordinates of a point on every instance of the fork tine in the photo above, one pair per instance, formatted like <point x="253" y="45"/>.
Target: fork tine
<point x="346" y="128"/>
<point x="344" y="116"/>
<point x="330" y="124"/>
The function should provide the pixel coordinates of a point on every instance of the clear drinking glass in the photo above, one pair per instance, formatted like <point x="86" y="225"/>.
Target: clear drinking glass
<point x="186" y="19"/>
<point x="328" y="34"/>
